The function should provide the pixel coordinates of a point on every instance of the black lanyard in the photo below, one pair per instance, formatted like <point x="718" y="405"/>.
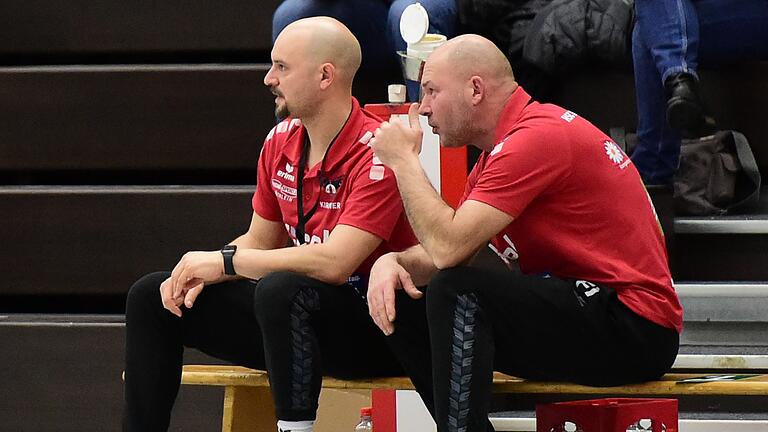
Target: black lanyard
<point x="301" y="216"/>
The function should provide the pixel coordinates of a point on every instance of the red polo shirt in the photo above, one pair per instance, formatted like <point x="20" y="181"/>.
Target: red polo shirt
<point x="347" y="187"/>
<point x="580" y="208"/>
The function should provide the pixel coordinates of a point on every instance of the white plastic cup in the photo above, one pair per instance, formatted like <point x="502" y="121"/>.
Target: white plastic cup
<point x="423" y="48"/>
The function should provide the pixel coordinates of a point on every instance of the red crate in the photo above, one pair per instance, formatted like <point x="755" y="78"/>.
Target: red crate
<point x="607" y="415"/>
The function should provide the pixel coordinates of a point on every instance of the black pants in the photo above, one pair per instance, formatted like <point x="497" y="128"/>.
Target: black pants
<point x="536" y="328"/>
<point x="296" y="327"/>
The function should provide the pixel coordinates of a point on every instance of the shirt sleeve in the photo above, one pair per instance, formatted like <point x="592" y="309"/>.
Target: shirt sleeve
<point x="264" y="201"/>
<point x="527" y="164"/>
<point x="374" y="203"/>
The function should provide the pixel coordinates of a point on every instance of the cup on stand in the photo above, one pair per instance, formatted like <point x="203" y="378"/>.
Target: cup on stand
<point x="414" y="25"/>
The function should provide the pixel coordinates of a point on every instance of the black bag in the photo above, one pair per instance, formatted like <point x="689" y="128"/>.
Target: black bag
<point x="718" y="175"/>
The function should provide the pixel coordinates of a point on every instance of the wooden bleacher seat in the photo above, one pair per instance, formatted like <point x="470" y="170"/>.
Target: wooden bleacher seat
<point x="248" y="404"/>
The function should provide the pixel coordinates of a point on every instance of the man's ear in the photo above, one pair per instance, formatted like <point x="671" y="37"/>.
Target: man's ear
<point x="327" y="75"/>
<point x="478" y="89"/>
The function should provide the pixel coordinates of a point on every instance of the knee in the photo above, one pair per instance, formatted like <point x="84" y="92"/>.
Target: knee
<point x="145" y="293"/>
<point x="447" y="285"/>
<point x="276" y="293"/>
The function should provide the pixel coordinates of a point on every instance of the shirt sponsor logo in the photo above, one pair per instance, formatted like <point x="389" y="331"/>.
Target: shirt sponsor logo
<point x="283" y="192"/>
<point x="287" y="173"/>
<point x="568" y="116"/>
<point x="615" y="154"/>
<point x="308" y="239"/>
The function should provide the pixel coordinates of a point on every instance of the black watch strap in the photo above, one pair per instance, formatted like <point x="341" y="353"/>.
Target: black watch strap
<point x="228" y="252"/>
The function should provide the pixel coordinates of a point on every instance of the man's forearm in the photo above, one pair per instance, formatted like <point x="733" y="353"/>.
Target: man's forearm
<point x="417" y="262"/>
<point x="429" y="215"/>
<point x="311" y="260"/>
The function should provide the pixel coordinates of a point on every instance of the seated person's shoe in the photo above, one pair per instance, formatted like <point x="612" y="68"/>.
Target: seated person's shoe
<point x="685" y="111"/>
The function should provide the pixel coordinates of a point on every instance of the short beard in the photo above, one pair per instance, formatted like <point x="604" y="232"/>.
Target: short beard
<point x="282" y="111"/>
<point x="460" y="137"/>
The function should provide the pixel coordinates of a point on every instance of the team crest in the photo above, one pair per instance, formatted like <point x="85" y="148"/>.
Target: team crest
<point x="331" y="186"/>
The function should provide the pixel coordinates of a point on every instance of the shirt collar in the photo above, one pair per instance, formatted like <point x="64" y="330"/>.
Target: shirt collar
<point x="348" y="136"/>
<point x="511" y="113"/>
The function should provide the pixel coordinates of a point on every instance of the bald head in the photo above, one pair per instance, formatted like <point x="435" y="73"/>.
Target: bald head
<point x="470" y="55"/>
<point x="325" y="40"/>
<point x="466" y="84"/>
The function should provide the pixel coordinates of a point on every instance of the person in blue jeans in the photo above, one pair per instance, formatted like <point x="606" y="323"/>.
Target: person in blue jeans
<point x="671" y="39"/>
<point x="375" y="23"/>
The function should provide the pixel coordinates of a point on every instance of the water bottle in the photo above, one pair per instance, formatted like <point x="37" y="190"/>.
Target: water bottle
<point x="366" y="424"/>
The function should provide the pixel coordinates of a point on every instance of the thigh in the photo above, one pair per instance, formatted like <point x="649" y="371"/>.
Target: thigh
<point x="222" y="323"/>
<point x="351" y="344"/>
<point x="557" y="329"/>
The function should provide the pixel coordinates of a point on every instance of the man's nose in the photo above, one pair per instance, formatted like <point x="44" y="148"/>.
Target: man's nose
<point x="269" y="79"/>
<point x="424" y="109"/>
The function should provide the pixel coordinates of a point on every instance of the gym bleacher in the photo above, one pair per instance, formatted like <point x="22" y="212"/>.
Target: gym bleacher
<point x="130" y="134"/>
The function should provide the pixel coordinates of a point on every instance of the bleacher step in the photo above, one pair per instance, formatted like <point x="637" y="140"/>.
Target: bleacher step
<point x="747" y="224"/>
<point x="98" y="240"/>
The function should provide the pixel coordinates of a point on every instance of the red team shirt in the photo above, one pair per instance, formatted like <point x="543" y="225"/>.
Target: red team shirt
<point x="579" y="205"/>
<point x="348" y="187"/>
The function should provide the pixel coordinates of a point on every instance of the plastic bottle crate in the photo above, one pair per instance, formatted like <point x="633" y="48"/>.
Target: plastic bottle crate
<point x="608" y="415"/>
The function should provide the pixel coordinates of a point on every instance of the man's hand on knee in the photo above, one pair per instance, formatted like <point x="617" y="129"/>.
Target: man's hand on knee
<point x="386" y="276"/>
<point x="170" y="301"/>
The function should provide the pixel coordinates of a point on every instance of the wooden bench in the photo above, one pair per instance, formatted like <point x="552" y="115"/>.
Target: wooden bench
<point x="248" y="402"/>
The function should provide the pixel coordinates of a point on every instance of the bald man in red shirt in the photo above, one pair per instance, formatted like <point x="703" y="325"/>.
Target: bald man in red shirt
<point x="593" y="302"/>
<point x="263" y="304"/>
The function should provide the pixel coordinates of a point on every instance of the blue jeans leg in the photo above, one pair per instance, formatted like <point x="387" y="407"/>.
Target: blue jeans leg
<point x="670" y="30"/>
<point x="658" y="146"/>
<point x="720" y="31"/>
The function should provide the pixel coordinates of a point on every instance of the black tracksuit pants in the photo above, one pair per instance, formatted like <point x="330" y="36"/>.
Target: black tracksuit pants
<point x="536" y="328"/>
<point x="296" y="327"/>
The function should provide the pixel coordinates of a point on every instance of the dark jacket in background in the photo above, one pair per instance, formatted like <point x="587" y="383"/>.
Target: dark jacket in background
<point x="506" y="23"/>
<point x="571" y="32"/>
<point x="542" y="38"/>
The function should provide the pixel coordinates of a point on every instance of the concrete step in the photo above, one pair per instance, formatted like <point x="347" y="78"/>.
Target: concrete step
<point x="719" y="315"/>
<point x="726" y="302"/>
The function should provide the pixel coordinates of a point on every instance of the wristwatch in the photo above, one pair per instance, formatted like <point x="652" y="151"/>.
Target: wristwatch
<point x="228" y="252"/>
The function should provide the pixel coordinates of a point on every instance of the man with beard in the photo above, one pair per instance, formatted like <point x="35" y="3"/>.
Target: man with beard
<point x="260" y="304"/>
<point x="594" y="304"/>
